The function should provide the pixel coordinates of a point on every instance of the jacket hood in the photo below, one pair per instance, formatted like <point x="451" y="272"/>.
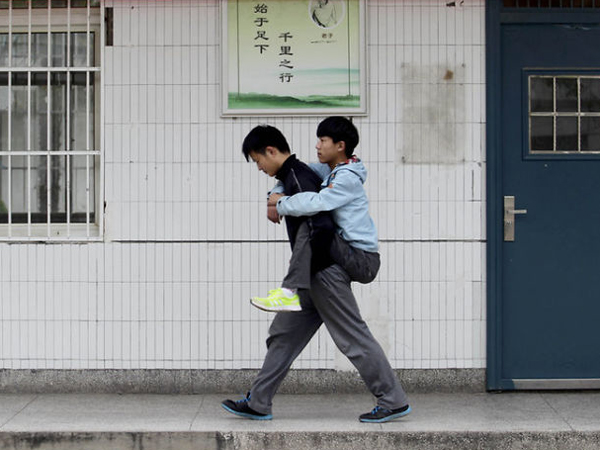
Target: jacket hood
<point x="355" y="165"/>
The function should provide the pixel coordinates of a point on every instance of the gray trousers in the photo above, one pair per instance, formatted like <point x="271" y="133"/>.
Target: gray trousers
<point x="360" y="265"/>
<point x="329" y="301"/>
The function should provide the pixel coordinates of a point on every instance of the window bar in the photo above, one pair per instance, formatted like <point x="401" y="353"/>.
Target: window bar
<point x="87" y="121"/>
<point x="554" y="114"/>
<point x="529" y="113"/>
<point x="10" y="119"/>
<point x="49" y="124"/>
<point x="29" y="64"/>
<point x="579" y="114"/>
<point x="68" y="132"/>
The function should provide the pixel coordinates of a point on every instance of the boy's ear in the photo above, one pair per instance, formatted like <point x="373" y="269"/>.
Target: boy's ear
<point x="271" y="151"/>
<point x="342" y="146"/>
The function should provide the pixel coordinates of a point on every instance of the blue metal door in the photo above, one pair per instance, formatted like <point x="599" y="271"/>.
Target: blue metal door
<point x="549" y="327"/>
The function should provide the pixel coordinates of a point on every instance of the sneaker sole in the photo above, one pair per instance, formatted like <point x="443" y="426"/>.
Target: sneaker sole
<point x="276" y="308"/>
<point x="246" y="415"/>
<point x="388" y="418"/>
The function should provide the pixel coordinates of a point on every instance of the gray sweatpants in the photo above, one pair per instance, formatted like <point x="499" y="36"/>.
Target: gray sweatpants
<point x="329" y="301"/>
<point x="361" y="266"/>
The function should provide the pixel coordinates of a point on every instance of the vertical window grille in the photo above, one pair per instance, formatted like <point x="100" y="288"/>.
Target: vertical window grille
<point x="49" y="119"/>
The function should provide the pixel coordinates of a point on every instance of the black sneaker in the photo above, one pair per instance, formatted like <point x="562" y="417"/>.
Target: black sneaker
<point x="379" y="414"/>
<point x="241" y="408"/>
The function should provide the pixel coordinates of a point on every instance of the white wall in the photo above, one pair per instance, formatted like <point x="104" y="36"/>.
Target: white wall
<point x="187" y="242"/>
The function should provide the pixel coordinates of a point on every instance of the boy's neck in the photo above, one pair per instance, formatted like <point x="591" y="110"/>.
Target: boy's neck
<point x="338" y="160"/>
<point x="283" y="157"/>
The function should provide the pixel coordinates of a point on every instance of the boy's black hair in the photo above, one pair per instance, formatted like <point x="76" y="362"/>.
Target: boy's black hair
<point x="261" y="137"/>
<point x="339" y="129"/>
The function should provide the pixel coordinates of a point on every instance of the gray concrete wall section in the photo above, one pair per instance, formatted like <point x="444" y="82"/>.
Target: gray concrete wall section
<point x="468" y="421"/>
<point x="111" y="441"/>
<point x="156" y="381"/>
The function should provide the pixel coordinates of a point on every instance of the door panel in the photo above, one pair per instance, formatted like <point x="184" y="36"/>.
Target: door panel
<point x="550" y="305"/>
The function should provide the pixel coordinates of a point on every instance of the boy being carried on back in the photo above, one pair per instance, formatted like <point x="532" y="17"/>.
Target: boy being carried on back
<point x="310" y="237"/>
<point x="355" y="244"/>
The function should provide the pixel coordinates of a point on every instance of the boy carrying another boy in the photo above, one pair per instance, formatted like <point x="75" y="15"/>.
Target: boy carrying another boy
<point x="329" y="300"/>
<point x="355" y="246"/>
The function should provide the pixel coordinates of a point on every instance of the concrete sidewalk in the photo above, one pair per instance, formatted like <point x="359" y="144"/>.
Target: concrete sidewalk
<point x="438" y="421"/>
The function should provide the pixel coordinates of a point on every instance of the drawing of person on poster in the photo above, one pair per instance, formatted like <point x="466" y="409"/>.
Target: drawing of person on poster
<point x="325" y="13"/>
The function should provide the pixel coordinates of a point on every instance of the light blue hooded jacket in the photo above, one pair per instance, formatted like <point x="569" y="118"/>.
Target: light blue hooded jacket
<point x="342" y="193"/>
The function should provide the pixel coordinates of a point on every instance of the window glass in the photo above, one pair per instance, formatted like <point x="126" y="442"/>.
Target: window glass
<point x="566" y="134"/>
<point x="590" y="95"/>
<point x="542" y="96"/>
<point x="566" y="94"/>
<point x="590" y="134"/>
<point x="542" y="133"/>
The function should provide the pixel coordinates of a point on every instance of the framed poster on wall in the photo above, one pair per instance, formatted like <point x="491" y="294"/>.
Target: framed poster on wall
<point x="293" y="57"/>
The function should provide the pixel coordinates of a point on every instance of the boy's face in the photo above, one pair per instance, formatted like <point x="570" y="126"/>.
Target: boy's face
<point x="267" y="162"/>
<point x="330" y="152"/>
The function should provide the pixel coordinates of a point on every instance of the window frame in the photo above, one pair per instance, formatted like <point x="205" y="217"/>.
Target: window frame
<point x="66" y="20"/>
<point x="527" y="153"/>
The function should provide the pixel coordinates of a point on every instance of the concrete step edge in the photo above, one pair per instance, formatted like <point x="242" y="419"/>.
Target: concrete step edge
<point x="299" y="440"/>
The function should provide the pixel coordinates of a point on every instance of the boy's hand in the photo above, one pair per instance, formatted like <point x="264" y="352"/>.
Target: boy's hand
<point x="273" y="198"/>
<point x="272" y="213"/>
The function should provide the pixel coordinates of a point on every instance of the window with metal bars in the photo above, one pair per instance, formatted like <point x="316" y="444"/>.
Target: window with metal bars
<point x="564" y="114"/>
<point x="565" y="4"/>
<point x="49" y="116"/>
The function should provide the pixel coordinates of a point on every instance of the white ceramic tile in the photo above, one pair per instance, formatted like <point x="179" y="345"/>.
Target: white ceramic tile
<point x="188" y="181"/>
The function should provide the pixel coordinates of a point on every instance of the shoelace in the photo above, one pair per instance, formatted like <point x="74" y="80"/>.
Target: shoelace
<point x="377" y="409"/>
<point x="244" y="400"/>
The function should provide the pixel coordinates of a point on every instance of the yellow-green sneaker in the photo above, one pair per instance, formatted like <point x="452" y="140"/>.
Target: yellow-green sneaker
<point x="277" y="301"/>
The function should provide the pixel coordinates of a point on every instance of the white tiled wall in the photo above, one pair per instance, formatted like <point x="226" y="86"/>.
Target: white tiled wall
<point x="187" y="242"/>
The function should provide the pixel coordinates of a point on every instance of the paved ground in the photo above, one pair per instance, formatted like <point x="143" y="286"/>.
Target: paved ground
<point x="499" y="421"/>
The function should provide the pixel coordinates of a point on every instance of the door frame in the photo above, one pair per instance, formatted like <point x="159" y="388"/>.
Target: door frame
<point x="496" y="15"/>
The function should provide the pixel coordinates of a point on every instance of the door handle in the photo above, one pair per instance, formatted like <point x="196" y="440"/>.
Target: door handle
<point x="509" y="217"/>
<point x="517" y="211"/>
